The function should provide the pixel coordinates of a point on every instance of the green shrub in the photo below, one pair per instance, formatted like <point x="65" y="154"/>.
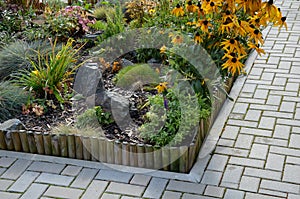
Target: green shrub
<point x="171" y="118"/>
<point x="102" y="12"/>
<point x="11" y="100"/>
<point x="69" y="130"/>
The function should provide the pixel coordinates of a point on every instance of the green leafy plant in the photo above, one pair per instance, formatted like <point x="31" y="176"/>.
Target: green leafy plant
<point x="102" y="12"/>
<point x="93" y="118"/>
<point x="11" y="100"/>
<point x="69" y="130"/>
<point x="172" y="118"/>
<point x="51" y="73"/>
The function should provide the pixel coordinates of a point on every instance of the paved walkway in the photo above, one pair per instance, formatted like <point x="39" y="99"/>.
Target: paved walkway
<point x="257" y="155"/>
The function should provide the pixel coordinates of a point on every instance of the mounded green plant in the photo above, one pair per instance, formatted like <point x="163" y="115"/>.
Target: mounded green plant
<point x="69" y="130"/>
<point x="11" y="100"/>
<point x="137" y="74"/>
<point x="102" y="12"/>
<point x="52" y="73"/>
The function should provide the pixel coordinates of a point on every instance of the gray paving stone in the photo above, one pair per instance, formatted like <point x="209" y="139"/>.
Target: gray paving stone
<point x="232" y="151"/>
<point x="7" y="195"/>
<point x="171" y="195"/>
<point x="271" y="141"/>
<point x="249" y="88"/>
<point x="260" y="196"/>
<point x="46" y="167"/>
<point x="156" y="188"/>
<point x="63" y="192"/>
<point x="244" y="141"/>
<point x="6" y="161"/>
<point x="262" y="173"/>
<point x="54" y="179"/>
<point x="24" y="181"/>
<point x="214" y="191"/>
<point x="261" y="94"/>
<point x="187" y="187"/>
<point x="128" y="197"/>
<point x="211" y="177"/>
<point x="267" y="123"/>
<point x="275" y="162"/>
<point x="139" y="179"/>
<point x="291" y="173"/>
<point x="249" y="184"/>
<point x="240" y="108"/>
<point x="295" y="141"/>
<point x="71" y="170"/>
<point x="256" y="132"/>
<point x="84" y="178"/>
<point x="274" y="100"/>
<point x="259" y="151"/>
<point x="225" y="142"/>
<point x="2" y="170"/>
<point x="292" y="87"/>
<point x="35" y="191"/>
<point x="126" y="189"/>
<point x="273" y="193"/>
<point x="16" y="169"/>
<point x="230" y="132"/>
<point x="232" y="174"/>
<point x="112" y="175"/>
<point x="234" y="194"/>
<point x="95" y="189"/>
<point x="280" y="186"/>
<point x="242" y="123"/>
<point x="4" y="184"/>
<point x="110" y="196"/>
<point x="293" y="196"/>
<point x="285" y="151"/>
<point x="192" y="196"/>
<point x="288" y="107"/>
<point x="279" y="81"/>
<point x="218" y="162"/>
<point x="253" y="115"/>
<point x="247" y="162"/>
<point x="282" y="131"/>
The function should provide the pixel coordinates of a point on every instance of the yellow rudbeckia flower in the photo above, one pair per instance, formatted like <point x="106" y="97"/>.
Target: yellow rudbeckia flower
<point x="178" y="11"/>
<point x="161" y="87"/>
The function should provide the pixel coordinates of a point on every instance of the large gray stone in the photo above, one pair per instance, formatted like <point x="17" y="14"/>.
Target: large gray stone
<point x="12" y="124"/>
<point x="88" y="79"/>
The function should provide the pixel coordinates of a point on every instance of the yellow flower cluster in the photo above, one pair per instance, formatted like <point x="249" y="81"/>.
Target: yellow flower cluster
<point x="233" y="25"/>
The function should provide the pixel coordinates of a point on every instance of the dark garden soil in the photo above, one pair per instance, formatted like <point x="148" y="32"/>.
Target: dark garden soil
<point x="54" y="117"/>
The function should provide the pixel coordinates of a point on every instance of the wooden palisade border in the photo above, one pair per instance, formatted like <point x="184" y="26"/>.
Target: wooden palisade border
<point x="177" y="159"/>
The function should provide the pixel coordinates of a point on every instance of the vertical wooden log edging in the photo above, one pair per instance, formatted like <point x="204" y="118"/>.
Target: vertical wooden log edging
<point x="118" y="152"/>
<point x="71" y="146"/>
<point x="110" y="151"/>
<point x="102" y="150"/>
<point x="24" y="140"/>
<point x="94" y="149"/>
<point x="157" y="156"/>
<point x="86" y="148"/>
<point x="78" y="147"/>
<point x="149" y="156"/>
<point x="165" y="156"/>
<point x="55" y="145"/>
<point x="31" y="142"/>
<point x="174" y="159"/>
<point x="191" y="155"/>
<point x="3" y="145"/>
<point x="133" y="155"/>
<point x="8" y="140"/>
<point x="47" y="143"/>
<point x="63" y="145"/>
<point x="183" y="160"/>
<point x="125" y="154"/>
<point x="141" y="155"/>
<point x="16" y="141"/>
<point x="39" y="142"/>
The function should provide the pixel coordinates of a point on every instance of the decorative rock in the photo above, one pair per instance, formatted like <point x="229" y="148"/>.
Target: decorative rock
<point x="88" y="79"/>
<point x="126" y="62"/>
<point x="12" y="124"/>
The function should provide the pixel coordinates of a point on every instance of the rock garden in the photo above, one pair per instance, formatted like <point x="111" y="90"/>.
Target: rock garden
<point x="136" y="83"/>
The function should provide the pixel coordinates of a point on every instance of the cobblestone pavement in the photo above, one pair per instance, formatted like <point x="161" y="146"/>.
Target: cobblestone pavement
<point x="257" y="155"/>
